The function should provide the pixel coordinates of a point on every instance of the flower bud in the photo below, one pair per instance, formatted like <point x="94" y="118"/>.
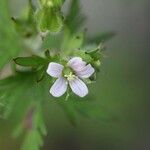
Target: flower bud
<point x="51" y="3"/>
<point x="49" y="17"/>
<point x="49" y="20"/>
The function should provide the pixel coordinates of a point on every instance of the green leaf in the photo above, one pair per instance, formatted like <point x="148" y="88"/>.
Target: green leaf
<point x="102" y="37"/>
<point x="9" y="40"/>
<point x="33" y="61"/>
<point x="13" y="89"/>
<point x="20" y="94"/>
<point x="34" y="136"/>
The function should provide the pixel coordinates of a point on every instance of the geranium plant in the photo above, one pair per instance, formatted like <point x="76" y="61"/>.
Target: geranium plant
<point x="51" y="58"/>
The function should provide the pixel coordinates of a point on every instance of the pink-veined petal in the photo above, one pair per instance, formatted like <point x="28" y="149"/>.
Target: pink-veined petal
<point x="76" y="63"/>
<point x="85" y="72"/>
<point x="78" y="87"/>
<point x="55" y="69"/>
<point x="59" y="87"/>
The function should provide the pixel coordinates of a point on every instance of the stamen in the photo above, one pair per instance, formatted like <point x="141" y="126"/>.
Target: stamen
<point x="70" y="76"/>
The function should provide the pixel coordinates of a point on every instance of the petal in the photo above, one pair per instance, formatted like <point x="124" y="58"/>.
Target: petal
<point x="78" y="87"/>
<point x="59" y="87"/>
<point x="76" y="63"/>
<point x="55" y="69"/>
<point x="85" y="72"/>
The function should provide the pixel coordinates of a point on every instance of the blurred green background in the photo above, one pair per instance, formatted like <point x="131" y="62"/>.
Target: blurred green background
<point x="121" y="89"/>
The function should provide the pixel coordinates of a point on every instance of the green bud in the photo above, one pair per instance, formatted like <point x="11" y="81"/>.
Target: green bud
<point x="88" y="81"/>
<point x="48" y="3"/>
<point x="49" y="20"/>
<point x="51" y="3"/>
<point x="97" y="63"/>
<point x="49" y="17"/>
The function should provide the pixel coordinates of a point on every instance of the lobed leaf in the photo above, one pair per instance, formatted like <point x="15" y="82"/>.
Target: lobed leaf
<point x="19" y="94"/>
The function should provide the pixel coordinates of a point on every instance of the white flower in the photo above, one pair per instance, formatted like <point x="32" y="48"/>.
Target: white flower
<point x="76" y="70"/>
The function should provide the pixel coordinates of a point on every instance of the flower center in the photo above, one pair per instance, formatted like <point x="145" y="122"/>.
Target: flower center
<point x="68" y="73"/>
<point x="70" y="76"/>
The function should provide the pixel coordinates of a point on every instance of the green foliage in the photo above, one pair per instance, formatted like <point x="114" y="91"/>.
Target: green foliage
<point x="22" y="98"/>
<point x="33" y="61"/>
<point x="35" y="128"/>
<point x="72" y="37"/>
<point x="9" y="40"/>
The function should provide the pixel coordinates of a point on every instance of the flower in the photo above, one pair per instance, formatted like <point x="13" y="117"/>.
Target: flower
<point x="72" y="75"/>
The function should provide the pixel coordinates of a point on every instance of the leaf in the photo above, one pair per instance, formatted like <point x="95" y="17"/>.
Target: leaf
<point x="9" y="40"/>
<point x="21" y="94"/>
<point x="102" y="37"/>
<point x="34" y="136"/>
<point x="75" y="19"/>
<point x="33" y="61"/>
<point x="32" y="141"/>
<point x="41" y="73"/>
<point x="15" y="88"/>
